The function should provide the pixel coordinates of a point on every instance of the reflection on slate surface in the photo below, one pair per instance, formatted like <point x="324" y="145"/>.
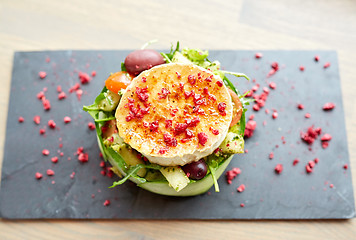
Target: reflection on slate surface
<point x="293" y="194"/>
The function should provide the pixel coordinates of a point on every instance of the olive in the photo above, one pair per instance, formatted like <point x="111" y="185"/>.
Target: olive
<point x="196" y="170"/>
<point x="141" y="60"/>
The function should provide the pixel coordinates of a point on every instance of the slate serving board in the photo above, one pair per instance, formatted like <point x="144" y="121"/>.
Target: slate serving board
<point x="292" y="194"/>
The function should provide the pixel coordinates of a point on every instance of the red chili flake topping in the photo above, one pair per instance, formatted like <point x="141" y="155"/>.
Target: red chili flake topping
<point x="209" y="79"/>
<point x="51" y="124"/>
<point x="154" y="126"/>
<point x="203" y="138"/>
<point x="192" y="79"/>
<point x="164" y="93"/>
<point x="222" y="107"/>
<point x="45" y="152"/>
<point x="326" y="65"/>
<point x="274" y="115"/>
<point x="316" y="160"/>
<point x="214" y="131"/>
<point x="38" y="175"/>
<point x="279" y="168"/>
<point x="295" y="162"/>
<point x="93" y="73"/>
<point x="231" y="174"/>
<point x="326" y="137"/>
<point x="258" y="55"/>
<point x="301" y="68"/>
<point x="91" y="126"/>
<point x="316" y="58"/>
<point x="189" y="133"/>
<point x="272" y="85"/>
<point x="192" y="122"/>
<point x="62" y="95"/>
<point x="300" y="106"/>
<point x="307" y="115"/>
<point x="46" y="104"/>
<point x="169" y="123"/>
<point x="219" y="83"/>
<point x="106" y="203"/>
<point x="346" y="166"/>
<point x="142" y="93"/>
<point x="84" y="77"/>
<point x="50" y="172"/>
<point x="249" y="128"/>
<point x="162" y="150"/>
<point x="187" y="94"/>
<point x="169" y="140"/>
<point x="83" y="157"/>
<point x="42" y="74"/>
<point x="54" y="159"/>
<point x="328" y="106"/>
<point x="145" y="124"/>
<point x="180" y="128"/>
<point x="67" y="119"/>
<point x="241" y="188"/>
<point x="271" y="155"/>
<point x="178" y="75"/>
<point x="21" y="119"/>
<point x="42" y="131"/>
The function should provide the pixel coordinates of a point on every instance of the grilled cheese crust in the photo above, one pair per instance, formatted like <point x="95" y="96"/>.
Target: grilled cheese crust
<point x="174" y="113"/>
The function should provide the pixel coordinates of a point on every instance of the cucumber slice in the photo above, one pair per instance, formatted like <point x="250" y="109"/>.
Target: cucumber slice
<point x="162" y="187"/>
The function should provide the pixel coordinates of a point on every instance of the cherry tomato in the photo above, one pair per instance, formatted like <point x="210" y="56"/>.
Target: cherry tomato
<point x="237" y="108"/>
<point x="118" y="81"/>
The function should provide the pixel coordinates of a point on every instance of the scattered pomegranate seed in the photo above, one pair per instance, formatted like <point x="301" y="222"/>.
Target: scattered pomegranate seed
<point x="91" y="126"/>
<point x="272" y="85"/>
<point x="316" y="160"/>
<point x="308" y="168"/>
<point x="300" y="106"/>
<point x="301" y="68"/>
<point x="62" y="95"/>
<point x="45" y="152"/>
<point x="307" y="115"/>
<point x="316" y="58"/>
<point x="54" y="159"/>
<point x="241" y="188"/>
<point x="271" y="155"/>
<point x="331" y="185"/>
<point x="279" y="168"/>
<point x="328" y="106"/>
<point x="42" y="74"/>
<point x="67" y="119"/>
<point x="37" y="119"/>
<point x="326" y="137"/>
<point x="42" y="131"/>
<point x="93" y="73"/>
<point x="295" y="162"/>
<point x="345" y="166"/>
<point x="21" y="119"/>
<point x="231" y="174"/>
<point x="84" y="77"/>
<point x="51" y="124"/>
<point x="38" y="175"/>
<point x="50" y="172"/>
<point x="274" y="115"/>
<point x="326" y="65"/>
<point x="106" y="203"/>
<point x="242" y="205"/>
<point x="258" y="55"/>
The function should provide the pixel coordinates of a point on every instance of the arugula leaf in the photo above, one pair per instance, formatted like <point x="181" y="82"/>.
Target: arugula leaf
<point x="212" y="172"/>
<point x="168" y="60"/>
<point x="169" y="56"/>
<point x="105" y="119"/>
<point x="123" y="68"/>
<point x="236" y="74"/>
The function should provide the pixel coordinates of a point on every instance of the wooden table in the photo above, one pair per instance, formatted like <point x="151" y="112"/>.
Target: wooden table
<point x="254" y="24"/>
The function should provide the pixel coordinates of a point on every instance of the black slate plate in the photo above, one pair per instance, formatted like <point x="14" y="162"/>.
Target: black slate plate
<point x="293" y="194"/>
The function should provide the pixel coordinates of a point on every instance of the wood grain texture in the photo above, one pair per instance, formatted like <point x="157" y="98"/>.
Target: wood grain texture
<point x="90" y="24"/>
